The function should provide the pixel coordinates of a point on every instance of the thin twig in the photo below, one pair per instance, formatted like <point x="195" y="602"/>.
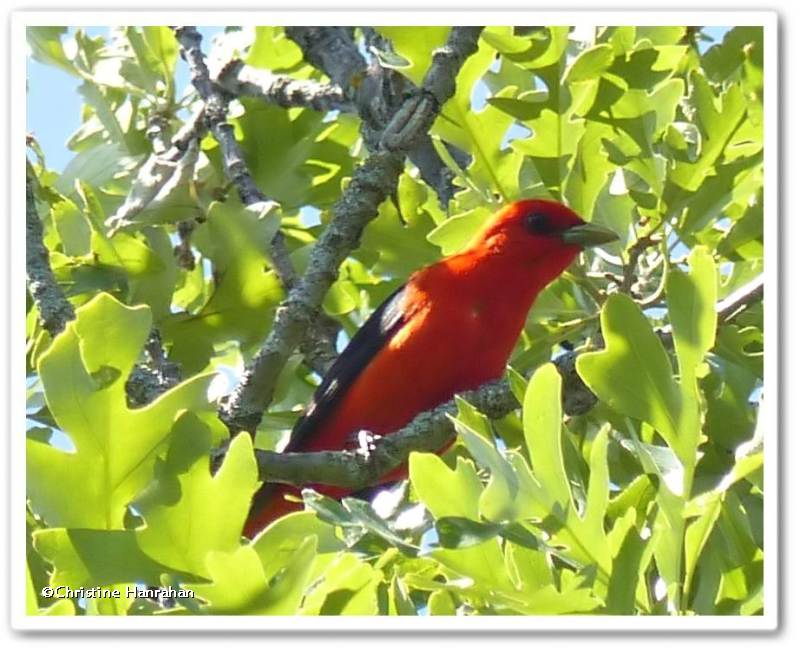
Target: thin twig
<point x="215" y="112"/>
<point x="154" y="376"/>
<point x="240" y="79"/>
<point x="321" y="337"/>
<point x="741" y="299"/>
<point x="731" y="306"/>
<point x="635" y="251"/>
<point x="656" y="295"/>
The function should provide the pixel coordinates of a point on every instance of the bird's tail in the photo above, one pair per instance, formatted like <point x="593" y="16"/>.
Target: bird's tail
<point x="269" y="504"/>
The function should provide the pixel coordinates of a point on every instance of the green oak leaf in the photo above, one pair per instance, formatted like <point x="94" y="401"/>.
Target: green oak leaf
<point x="416" y="45"/>
<point x="718" y="118"/>
<point x="551" y="148"/>
<point x="633" y="373"/>
<point x="494" y="168"/>
<point x="692" y="298"/>
<point x="46" y="47"/>
<point x="72" y="226"/>
<point x="239" y="585"/>
<point x="188" y="513"/>
<point x="455" y="232"/>
<point x="277" y="543"/>
<point x="246" y="289"/>
<point x="497" y="501"/>
<point x="456" y="493"/>
<point x="89" y="557"/>
<point x="445" y="491"/>
<point x="83" y="374"/>
<point x="273" y="50"/>
<point x="627" y="579"/>
<point x="308" y="157"/>
<point x="590" y="63"/>
<point x="546" y="490"/>
<point x="348" y="587"/>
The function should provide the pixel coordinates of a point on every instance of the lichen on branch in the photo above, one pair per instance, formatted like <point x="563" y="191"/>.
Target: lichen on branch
<point x="354" y="469"/>
<point x="53" y="307"/>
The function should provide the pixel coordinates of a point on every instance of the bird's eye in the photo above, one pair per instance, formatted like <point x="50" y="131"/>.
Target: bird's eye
<point x="538" y="224"/>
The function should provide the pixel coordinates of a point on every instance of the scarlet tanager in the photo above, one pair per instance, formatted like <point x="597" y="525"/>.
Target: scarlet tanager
<point x="449" y="329"/>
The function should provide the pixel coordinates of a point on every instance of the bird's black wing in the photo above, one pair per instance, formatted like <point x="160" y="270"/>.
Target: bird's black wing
<point x="382" y="324"/>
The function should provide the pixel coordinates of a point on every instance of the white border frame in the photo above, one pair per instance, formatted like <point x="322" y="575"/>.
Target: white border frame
<point x="768" y="414"/>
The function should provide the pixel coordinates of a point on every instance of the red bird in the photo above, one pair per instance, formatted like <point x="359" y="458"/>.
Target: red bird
<point x="450" y="328"/>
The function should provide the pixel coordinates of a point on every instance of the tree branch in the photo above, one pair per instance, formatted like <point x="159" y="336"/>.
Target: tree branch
<point x="54" y="308"/>
<point x="432" y="430"/>
<point x="377" y="92"/>
<point x="240" y="79"/>
<point x="729" y="307"/>
<point x="155" y="376"/>
<point x="372" y="182"/>
<point x="331" y="49"/>
<point x="429" y="431"/>
<point x="190" y="133"/>
<point x="741" y="299"/>
<point x="635" y="251"/>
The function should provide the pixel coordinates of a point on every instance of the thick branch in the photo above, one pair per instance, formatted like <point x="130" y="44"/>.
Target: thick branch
<point x="157" y="133"/>
<point x="377" y="92"/>
<point x="440" y="80"/>
<point x="319" y="344"/>
<point x="430" y="431"/>
<point x="372" y="183"/>
<point x="332" y="50"/>
<point x="240" y="79"/>
<point x="54" y="309"/>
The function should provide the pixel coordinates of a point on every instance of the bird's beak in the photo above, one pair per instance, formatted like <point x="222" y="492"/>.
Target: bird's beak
<point x="588" y="235"/>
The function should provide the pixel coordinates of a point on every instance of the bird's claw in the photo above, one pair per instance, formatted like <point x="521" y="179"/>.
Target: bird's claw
<point x="363" y="440"/>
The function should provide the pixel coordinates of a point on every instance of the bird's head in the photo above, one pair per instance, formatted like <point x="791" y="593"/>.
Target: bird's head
<point x="540" y="233"/>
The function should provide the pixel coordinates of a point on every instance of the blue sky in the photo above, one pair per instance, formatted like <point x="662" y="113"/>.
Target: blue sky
<point x="53" y="128"/>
